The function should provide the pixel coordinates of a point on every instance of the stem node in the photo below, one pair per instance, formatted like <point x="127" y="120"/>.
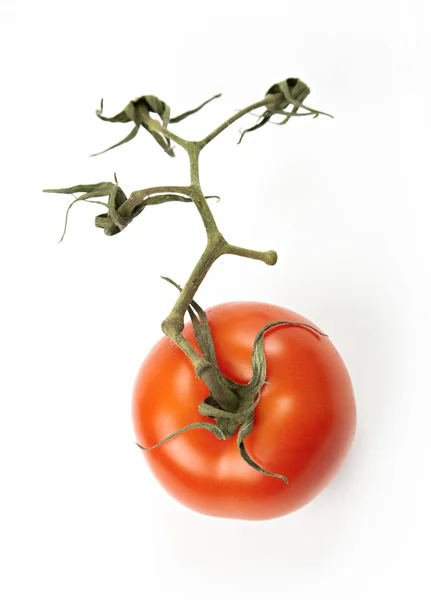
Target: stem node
<point x="172" y="326"/>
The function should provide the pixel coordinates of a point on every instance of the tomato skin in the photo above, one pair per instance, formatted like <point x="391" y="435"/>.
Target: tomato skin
<point x="304" y="423"/>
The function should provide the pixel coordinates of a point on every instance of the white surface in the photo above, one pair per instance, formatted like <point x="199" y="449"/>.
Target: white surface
<point x="343" y="201"/>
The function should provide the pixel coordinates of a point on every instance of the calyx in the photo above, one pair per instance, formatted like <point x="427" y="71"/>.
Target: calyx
<point x="240" y="419"/>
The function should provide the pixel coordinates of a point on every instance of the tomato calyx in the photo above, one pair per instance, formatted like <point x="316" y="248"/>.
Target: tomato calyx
<point x="290" y="92"/>
<point x="240" y="423"/>
<point x="239" y="420"/>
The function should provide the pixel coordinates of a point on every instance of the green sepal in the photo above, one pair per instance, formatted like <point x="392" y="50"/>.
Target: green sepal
<point x="258" y="358"/>
<point x="252" y="463"/>
<point x="202" y="425"/>
<point x="230" y="421"/>
<point x="245" y="430"/>
<point x="210" y="408"/>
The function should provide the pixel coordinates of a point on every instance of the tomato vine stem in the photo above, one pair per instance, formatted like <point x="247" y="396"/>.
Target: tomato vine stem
<point x="122" y="210"/>
<point x="216" y="246"/>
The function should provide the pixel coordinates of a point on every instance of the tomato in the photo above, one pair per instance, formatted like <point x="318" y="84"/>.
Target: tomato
<point x="304" y="423"/>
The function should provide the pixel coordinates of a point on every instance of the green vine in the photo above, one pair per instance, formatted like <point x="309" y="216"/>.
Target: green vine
<point x="230" y="404"/>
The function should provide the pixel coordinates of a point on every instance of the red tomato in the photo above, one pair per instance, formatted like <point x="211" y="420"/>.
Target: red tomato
<point x="303" y="428"/>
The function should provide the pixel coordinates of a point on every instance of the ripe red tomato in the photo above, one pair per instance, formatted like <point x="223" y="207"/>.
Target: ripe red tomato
<point x="303" y="428"/>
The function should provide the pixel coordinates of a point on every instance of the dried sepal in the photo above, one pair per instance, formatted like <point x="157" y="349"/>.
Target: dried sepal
<point x="110" y="221"/>
<point x="289" y="92"/>
<point x="121" y="210"/>
<point x="139" y="111"/>
<point x="192" y="111"/>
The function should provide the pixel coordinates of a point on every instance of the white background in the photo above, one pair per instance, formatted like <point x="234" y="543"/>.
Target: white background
<point x="345" y="203"/>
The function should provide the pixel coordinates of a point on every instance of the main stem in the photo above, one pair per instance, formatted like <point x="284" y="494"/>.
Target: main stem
<point x="216" y="246"/>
